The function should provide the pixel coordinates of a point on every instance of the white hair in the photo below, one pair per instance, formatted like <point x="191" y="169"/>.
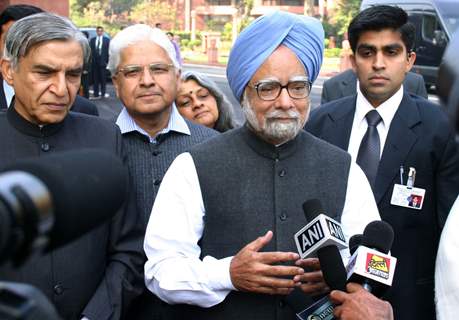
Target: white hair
<point x="137" y="33"/>
<point x="36" y="29"/>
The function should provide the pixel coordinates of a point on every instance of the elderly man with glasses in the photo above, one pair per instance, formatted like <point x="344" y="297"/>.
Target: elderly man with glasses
<point x="146" y="76"/>
<point x="97" y="275"/>
<point x="219" y="241"/>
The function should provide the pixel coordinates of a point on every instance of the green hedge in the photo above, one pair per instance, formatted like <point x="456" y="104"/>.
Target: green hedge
<point x="332" y="53"/>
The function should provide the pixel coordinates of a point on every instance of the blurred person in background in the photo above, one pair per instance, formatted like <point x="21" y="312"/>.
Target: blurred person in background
<point x="447" y="264"/>
<point x="99" y="54"/>
<point x="175" y="42"/>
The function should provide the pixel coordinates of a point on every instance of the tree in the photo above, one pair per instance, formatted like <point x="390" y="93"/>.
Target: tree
<point x="347" y="10"/>
<point x="244" y="9"/>
<point x="153" y="11"/>
<point x="309" y="8"/>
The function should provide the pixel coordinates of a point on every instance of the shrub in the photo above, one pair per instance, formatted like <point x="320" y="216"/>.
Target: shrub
<point x="332" y="53"/>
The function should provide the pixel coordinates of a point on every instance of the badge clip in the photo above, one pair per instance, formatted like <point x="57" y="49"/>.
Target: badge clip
<point x="411" y="177"/>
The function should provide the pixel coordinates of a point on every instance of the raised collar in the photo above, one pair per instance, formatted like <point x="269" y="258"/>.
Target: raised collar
<point x="29" y="128"/>
<point x="266" y="149"/>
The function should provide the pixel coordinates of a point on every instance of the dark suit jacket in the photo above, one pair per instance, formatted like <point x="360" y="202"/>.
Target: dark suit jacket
<point x="344" y="84"/>
<point x="99" y="60"/>
<point x="98" y="274"/>
<point x="419" y="136"/>
<point x="81" y="104"/>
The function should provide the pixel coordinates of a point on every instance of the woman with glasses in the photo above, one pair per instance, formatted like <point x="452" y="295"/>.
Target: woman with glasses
<point x="200" y="100"/>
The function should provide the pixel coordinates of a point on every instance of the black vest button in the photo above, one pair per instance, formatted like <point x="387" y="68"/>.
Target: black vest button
<point x="282" y="173"/>
<point x="283" y="217"/>
<point x="156" y="182"/>
<point x="45" y="147"/>
<point x="156" y="153"/>
<point x="58" y="289"/>
<point x="281" y="304"/>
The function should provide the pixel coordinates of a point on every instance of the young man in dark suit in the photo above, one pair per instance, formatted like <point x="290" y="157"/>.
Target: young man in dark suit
<point x="345" y="84"/>
<point x="99" y="53"/>
<point x="388" y="132"/>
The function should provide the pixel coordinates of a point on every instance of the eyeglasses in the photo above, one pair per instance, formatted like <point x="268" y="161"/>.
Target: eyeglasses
<point x="269" y="90"/>
<point x="136" y="71"/>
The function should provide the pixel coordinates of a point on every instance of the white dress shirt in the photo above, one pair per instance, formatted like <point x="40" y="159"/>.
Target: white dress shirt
<point x="176" y="123"/>
<point x="387" y="112"/>
<point x="447" y="268"/>
<point x="99" y="42"/>
<point x="174" y="270"/>
<point x="9" y="93"/>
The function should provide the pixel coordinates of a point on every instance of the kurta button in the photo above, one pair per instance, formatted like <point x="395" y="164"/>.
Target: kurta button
<point x="58" y="289"/>
<point x="282" y="173"/>
<point x="283" y="217"/>
<point x="156" y="182"/>
<point x="45" y="147"/>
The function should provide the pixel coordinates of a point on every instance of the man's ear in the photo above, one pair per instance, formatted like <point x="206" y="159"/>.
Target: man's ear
<point x="7" y="71"/>
<point x="354" y="66"/>
<point x="115" y="80"/>
<point x="178" y="79"/>
<point x="411" y="59"/>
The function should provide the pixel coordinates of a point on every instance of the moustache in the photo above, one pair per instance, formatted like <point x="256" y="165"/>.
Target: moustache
<point x="292" y="114"/>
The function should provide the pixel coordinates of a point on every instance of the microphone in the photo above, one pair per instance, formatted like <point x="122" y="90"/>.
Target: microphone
<point x="370" y="264"/>
<point x="354" y="242"/>
<point x="321" y="237"/>
<point x="52" y="200"/>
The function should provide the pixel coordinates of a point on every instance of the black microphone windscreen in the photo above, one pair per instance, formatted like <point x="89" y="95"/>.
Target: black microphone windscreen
<point x="87" y="186"/>
<point x="312" y="208"/>
<point x="332" y="267"/>
<point x="378" y="235"/>
<point x="354" y="242"/>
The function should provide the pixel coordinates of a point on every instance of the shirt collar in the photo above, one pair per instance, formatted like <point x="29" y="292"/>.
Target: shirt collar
<point x="176" y="123"/>
<point x="9" y="92"/>
<point x="386" y="110"/>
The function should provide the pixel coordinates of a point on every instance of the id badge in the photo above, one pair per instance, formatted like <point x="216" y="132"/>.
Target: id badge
<point x="407" y="197"/>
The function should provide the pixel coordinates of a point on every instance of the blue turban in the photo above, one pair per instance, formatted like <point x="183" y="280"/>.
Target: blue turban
<point x="303" y="35"/>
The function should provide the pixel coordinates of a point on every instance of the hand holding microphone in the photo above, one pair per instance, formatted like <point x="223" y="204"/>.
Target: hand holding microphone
<point x="370" y="272"/>
<point x="359" y="304"/>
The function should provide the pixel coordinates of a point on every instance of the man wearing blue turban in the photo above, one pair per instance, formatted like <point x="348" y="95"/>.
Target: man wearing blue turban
<point x="303" y="35"/>
<point x="220" y="237"/>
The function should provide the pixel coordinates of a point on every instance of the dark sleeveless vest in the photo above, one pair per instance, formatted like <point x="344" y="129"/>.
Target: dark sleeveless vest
<point x="249" y="187"/>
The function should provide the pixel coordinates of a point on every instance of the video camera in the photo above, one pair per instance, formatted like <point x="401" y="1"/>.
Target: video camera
<point x="42" y="202"/>
<point x="448" y="82"/>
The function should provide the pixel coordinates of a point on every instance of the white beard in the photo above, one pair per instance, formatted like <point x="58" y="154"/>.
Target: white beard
<point x="271" y="129"/>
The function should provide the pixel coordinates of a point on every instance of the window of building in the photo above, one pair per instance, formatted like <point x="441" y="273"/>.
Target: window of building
<point x="219" y="2"/>
<point x="282" y="3"/>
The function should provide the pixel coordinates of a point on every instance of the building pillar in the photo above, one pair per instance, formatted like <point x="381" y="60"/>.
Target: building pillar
<point x="193" y="25"/>
<point x="235" y="25"/>
<point x="187" y="15"/>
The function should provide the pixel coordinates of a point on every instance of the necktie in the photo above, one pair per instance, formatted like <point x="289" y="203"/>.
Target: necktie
<point x="368" y="156"/>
